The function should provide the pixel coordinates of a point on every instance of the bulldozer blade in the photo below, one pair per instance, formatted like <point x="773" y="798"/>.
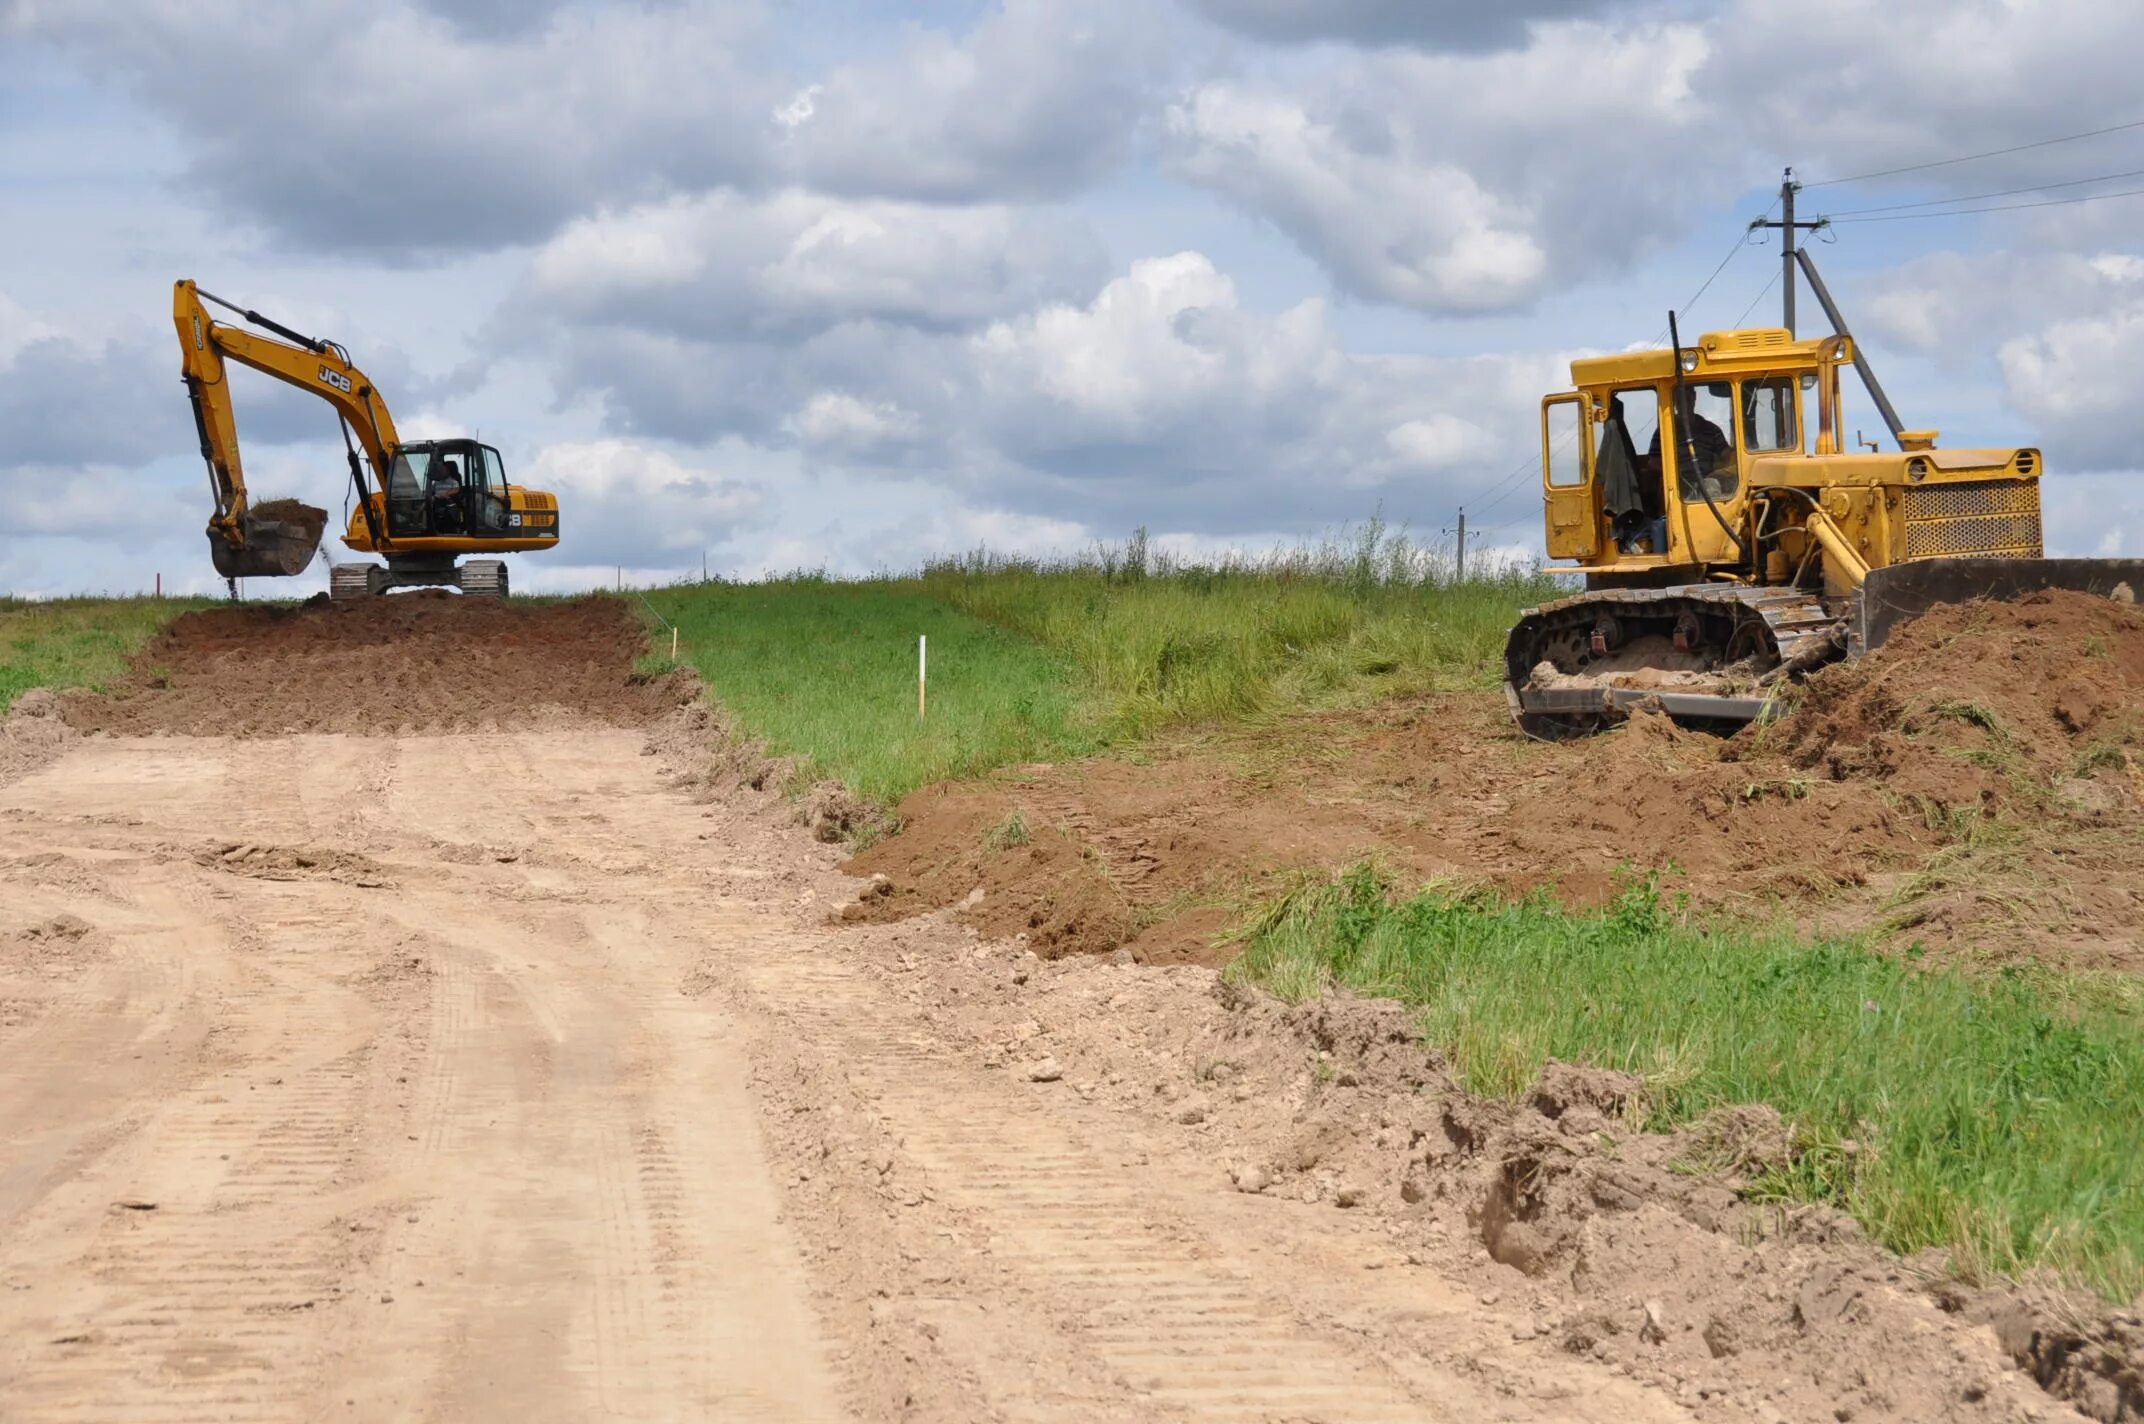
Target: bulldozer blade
<point x="274" y="548"/>
<point x="1899" y="593"/>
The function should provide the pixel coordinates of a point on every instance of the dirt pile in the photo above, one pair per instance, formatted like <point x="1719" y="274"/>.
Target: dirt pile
<point x="310" y="519"/>
<point x="411" y="662"/>
<point x="32" y="732"/>
<point x="1641" y="1253"/>
<point x="1973" y="783"/>
<point x="2006" y="699"/>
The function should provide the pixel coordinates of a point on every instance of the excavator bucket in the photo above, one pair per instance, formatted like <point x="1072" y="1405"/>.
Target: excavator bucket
<point x="1898" y="593"/>
<point x="282" y="537"/>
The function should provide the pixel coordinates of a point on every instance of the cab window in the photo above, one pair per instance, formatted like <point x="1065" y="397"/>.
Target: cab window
<point x="1705" y="449"/>
<point x="1561" y="446"/>
<point x="1768" y="420"/>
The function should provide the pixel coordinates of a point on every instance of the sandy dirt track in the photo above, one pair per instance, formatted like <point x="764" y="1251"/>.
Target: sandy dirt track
<point x="380" y="1099"/>
<point x="503" y="1075"/>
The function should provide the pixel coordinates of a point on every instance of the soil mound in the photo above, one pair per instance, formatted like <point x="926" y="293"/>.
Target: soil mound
<point x="2039" y="688"/>
<point x="410" y="662"/>
<point x="1973" y="783"/>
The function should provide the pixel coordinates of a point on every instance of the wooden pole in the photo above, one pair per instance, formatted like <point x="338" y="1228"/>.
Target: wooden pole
<point x="922" y="675"/>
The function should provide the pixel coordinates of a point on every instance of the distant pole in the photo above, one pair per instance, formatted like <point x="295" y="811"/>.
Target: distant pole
<point x="621" y="578"/>
<point x="159" y="585"/>
<point x="703" y="566"/>
<point x="1462" y="544"/>
<point x="922" y="674"/>
<point x="1788" y="227"/>
<point x="1786" y="244"/>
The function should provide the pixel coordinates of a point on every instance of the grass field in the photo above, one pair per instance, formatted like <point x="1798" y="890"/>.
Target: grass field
<point x="76" y="642"/>
<point x="1160" y="641"/>
<point x="1994" y="1115"/>
<point x="826" y="670"/>
<point x="1032" y="660"/>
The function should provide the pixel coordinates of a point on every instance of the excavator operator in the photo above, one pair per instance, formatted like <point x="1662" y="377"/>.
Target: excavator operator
<point x="447" y="497"/>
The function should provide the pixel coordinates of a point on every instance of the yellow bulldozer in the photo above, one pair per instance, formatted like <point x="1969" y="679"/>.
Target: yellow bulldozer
<point x="1731" y="539"/>
<point x="428" y="502"/>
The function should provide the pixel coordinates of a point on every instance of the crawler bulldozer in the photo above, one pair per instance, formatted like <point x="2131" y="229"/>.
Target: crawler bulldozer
<point x="426" y="504"/>
<point x="1731" y="540"/>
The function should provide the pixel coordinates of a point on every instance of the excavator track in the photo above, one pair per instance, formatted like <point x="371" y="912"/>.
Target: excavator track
<point x="1708" y="654"/>
<point x="483" y="578"/>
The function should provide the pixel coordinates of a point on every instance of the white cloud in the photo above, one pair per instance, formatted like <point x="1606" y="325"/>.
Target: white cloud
<point x="839" y="421"/>
<point x="797" y="261"/>
<point x="1038" y="98"/>
<point x="1463" y="183"/>
<point x="391" y="130"/>
<point x="633" y="504"/>
<point x="1431" y="24"/>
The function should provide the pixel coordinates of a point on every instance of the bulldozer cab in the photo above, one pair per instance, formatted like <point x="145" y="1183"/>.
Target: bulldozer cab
<point x="448" y="489"/>
<point x="1636" y="460"/>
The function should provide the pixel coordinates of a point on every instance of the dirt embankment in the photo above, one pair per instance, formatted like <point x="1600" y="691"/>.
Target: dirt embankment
<point x="411" y="662"/>
<point x="1978" y="782"/>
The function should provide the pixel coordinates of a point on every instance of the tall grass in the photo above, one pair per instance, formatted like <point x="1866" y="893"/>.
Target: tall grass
<point x="1992" y="1114"/>
<point x="76" y="642"/>
<point x="1032" y="659"/>
<point x="826" y="671"/>
<point x="1162" y="640"/>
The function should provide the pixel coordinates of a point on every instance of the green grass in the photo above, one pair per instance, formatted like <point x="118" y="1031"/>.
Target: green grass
<point x="1036" y="661"/>
<point x="76" y="642"/>
<point x="1158" y="641"/>
<point x="1993" y="1114"/>
<point x="826" y="671"/>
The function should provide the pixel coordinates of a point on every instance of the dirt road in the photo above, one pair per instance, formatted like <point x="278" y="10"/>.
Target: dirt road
<point x="373" y="1093"/>
<point x="500" y="1067"/>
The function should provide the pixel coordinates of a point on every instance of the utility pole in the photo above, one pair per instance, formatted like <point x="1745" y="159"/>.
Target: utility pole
<point x="1788" y="227"/>
<point x="1460" y="562"/>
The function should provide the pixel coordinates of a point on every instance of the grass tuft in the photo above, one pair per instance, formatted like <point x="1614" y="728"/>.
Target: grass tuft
<point x="1988" y="1113"/>
<point x="1008" y="834"/>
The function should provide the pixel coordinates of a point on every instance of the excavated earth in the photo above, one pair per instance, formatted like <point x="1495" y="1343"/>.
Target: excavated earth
<point x="512" y="1059"/>
<point x="1976" y="785"/>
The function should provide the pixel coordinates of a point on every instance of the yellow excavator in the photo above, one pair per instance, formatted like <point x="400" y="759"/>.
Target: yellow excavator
<point x="1731" y="540"/>
<point x="428" y="504"/>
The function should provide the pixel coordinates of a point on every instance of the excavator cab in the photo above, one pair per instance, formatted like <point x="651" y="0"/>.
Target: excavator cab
<point x="453" y="489"/>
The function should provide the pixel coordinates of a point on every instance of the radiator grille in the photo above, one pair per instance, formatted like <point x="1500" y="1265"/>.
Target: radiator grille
<point x="1975" y="517"/>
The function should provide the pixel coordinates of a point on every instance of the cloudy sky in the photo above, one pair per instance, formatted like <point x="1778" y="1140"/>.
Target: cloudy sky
<point x="849" y="283"/>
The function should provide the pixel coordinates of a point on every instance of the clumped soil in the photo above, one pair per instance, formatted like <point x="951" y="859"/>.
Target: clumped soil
<point x="426" y="661"/>
<point x="1978" y="783"/>
<point x="309" y="517"/>
<point x="1647" y="1252"/>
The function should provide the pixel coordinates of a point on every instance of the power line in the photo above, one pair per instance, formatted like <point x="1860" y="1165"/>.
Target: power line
<point x="1979" y="197"/>
<point x="1756" y="299"/>
<point x="1504" y="488"/>
<point x="2000" y="207"/>
<point x="1975" y="157"/>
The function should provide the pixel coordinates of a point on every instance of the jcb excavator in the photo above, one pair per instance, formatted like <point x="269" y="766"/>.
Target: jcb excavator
<point x="429" y="502"/>
<point x="1731" y="541"/>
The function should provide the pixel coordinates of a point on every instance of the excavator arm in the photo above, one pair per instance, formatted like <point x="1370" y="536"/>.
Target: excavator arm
<point x="243" y="541"/>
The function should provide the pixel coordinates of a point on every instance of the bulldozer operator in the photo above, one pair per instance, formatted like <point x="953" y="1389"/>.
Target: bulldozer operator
<point x="1632" y="487"/>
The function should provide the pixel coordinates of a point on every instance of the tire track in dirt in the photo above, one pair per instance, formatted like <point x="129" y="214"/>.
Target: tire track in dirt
<point x="1161" y="1306"/>
<point x="192" y="1288"/>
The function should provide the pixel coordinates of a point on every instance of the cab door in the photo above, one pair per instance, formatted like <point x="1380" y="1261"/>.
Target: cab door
<point x="1574" y="523"/>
